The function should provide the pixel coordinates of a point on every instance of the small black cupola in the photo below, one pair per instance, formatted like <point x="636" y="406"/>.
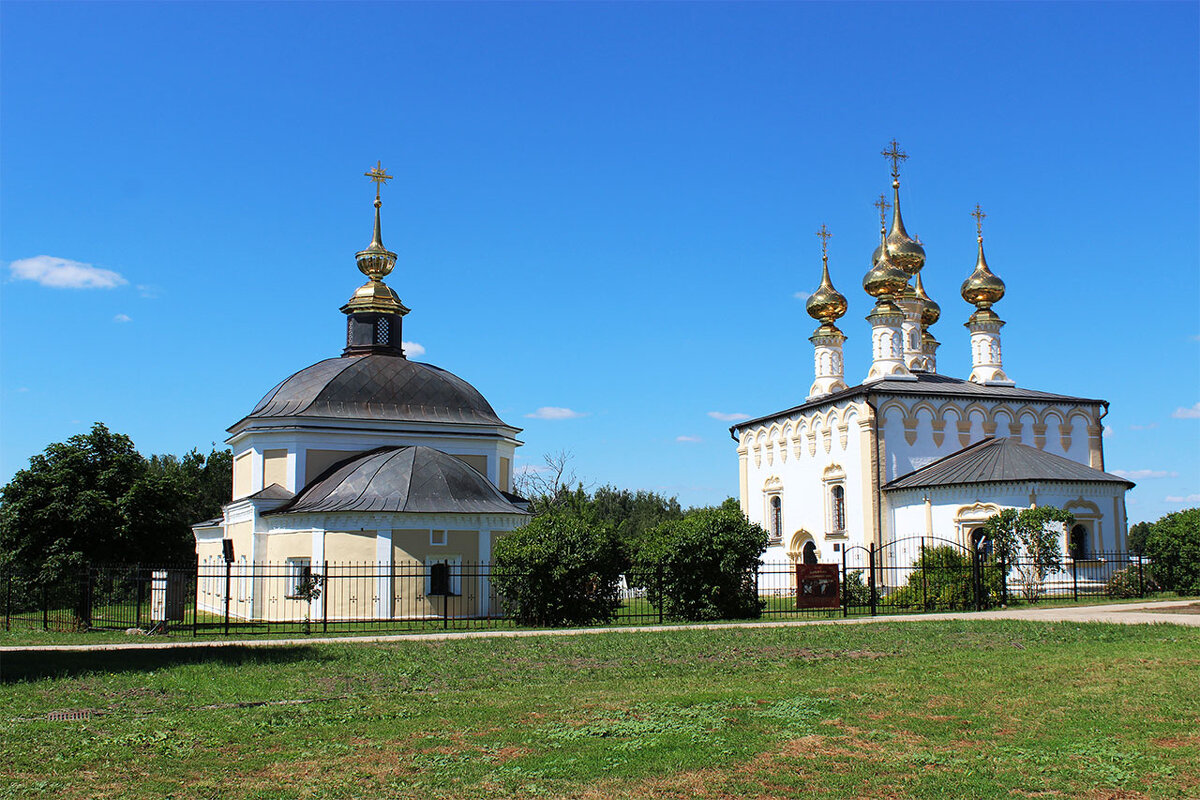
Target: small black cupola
<point x="374" y="314"/>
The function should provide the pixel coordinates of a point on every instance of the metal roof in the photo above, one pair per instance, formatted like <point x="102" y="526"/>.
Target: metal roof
<point x="272" y="492"/>
<point x="927" y="384"/>
<point x="997" y="460"/>
<point x="376" y="387"/>
<point x="401" y="479"/>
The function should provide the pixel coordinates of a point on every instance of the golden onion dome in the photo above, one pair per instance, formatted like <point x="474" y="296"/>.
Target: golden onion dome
<point x="826" y="304"/>
<point x="885" y="279"/>
<point x="983" y="287"/>
<point x="931" y="312"/>
<point x="904" y="251"/>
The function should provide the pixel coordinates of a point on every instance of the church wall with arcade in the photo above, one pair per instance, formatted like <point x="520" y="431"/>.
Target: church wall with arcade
<point x="918" y="431"/>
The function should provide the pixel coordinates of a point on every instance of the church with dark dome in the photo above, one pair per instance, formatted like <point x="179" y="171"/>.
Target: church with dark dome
<point x="366" y="458"/>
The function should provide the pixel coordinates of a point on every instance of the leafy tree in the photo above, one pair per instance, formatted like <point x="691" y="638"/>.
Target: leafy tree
<point x="704" y="565"/>
<point x="944" y="578"/>
<point x="1173" y="547"/>
<point x="632" y="514"/>
<point x="94" y="498"/>
<point x="1138" y="532"/>
<point x="1027" y="541"/>
<point x="562" y="568"/>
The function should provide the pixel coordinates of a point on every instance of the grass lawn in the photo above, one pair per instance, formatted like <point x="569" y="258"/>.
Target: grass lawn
<point x="927" y="709"/>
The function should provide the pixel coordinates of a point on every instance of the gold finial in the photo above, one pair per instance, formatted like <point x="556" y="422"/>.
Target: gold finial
<point x="895" y="155"/>
<point x="883" y="205"/>
<point x="979" y="218"/>
<point x="824" y="234"/>
<point x="379" y="177"/>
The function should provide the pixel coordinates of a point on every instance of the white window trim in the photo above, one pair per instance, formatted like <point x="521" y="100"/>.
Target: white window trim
<point x="295" y="572"/>
<point x="433" y="538"/>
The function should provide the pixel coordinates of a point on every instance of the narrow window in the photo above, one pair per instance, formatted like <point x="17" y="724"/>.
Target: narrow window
<point x="381" y="331"/>
<point x="1078" y="544"/>
<point x="810" y="553"/>
<point x="437" y="538"/>
<point x="299" y="573"/>
<point x="837" y="496"/>
<point x="776" y="517"/>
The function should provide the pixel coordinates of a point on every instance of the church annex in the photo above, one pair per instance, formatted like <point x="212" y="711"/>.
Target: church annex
<point x="911" y="452"/>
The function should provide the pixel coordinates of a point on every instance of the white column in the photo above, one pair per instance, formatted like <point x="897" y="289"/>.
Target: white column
<point x="482" y="569"/>
<point x="318" y="568"/>
<point x="910" y="333"/>
<point x="828" y="366"/>
<point x="256" y="470"/>
<point x="930" y="346"/>
<point x="383" y="574"/>
<point x="986" y="362"/>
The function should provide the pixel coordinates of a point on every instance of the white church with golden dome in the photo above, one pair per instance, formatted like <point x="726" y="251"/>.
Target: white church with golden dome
<point x="366" y="461"/>
<point x="911" y="452"/>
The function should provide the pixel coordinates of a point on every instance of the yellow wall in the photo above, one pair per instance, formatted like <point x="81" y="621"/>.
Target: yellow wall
<point x="356" y="546"/>
<point x="240" y="532"/>
<point x="282" y="546"/>
<point x="208" y="550"/>
<point x="413" y="545"/>
<point x="241" y="475"/>
<point x="317" y="461"/>
<point x="274" y="467"/>
<point x="506" y="474"/>
<point x="478" y="463"/>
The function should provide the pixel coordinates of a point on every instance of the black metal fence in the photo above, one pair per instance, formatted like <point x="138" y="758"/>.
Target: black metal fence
<point x="216" y="598"/>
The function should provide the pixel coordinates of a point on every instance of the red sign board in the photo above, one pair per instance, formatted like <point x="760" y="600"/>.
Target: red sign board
<point x="817" y="586"/>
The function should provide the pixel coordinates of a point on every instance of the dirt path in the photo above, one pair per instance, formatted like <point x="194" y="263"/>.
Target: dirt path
<point x="1173" y="612"/>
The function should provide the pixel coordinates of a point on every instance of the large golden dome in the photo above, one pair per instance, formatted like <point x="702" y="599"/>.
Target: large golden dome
<point x="885" y="280"/>
<point x="826" y="304"/>
<point x="983" y="287"/>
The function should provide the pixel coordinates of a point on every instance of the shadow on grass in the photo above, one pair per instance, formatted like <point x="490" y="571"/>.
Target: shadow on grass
<point x="36" y="665"/>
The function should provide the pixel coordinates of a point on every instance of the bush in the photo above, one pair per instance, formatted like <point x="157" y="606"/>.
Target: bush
<point x="856" y="592"/>
<point x="1173" y="545"/>
<point x="1127" y="583"/>
<point x="703" y="566"/>
<point x="944" y="579"/>
<point x="560" y="569"/>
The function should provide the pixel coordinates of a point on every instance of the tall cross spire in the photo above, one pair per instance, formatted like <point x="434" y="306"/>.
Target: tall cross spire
<point x="824" y="234"/>
<point x="979" y="218"/>
<point x="883" y="205"/>
<point x="895" y="155"/>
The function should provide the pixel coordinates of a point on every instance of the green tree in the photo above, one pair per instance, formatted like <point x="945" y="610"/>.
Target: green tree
<point x="562" y="568"/>
<point x="1173" y="547"/>
<point x="1138" y="533"/>
<point x="1027" y="541"/>
<point x="704" y="565"/>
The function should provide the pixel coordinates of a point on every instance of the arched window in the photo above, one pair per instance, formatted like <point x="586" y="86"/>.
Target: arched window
<point x="1077" y="546"/>
<point x="810" y="552"/>
<point x="981" y="542"/>
<point x="776" y="517"/>
<point x="837" y="507"/>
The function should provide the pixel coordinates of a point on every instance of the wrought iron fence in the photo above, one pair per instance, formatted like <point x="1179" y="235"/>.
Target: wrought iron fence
<point x="302" y="597"/>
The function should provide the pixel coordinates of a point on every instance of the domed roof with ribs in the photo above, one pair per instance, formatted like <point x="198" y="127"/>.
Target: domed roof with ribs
<point x="377" y="387"/>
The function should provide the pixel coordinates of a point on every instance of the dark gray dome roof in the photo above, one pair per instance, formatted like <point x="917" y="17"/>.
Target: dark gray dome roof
<point x="411" y="479"/>
<point x="381" y="387"/>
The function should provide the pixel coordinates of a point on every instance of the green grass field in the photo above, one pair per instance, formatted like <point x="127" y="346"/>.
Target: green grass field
<point x="928" y="709"/>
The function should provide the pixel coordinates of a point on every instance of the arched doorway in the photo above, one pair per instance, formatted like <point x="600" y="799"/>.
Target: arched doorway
<point x="808" y="554"/>
<point x="1077" y="545"/>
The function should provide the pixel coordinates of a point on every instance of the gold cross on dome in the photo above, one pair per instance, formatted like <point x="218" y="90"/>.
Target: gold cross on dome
<point x="979" y="218"/>
<point x="379" y="176"/>
<point x="824" y="234"/>
<point x="896" y="155"/>
<point x="883" y="205"/>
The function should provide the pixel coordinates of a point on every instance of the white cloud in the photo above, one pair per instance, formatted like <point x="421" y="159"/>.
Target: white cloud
<point x="735" y="416"/>
<point x="1187" y="413"/>
<point x="122" y="318"/>
<point x="802" y="295"/>
<point x="553" y="412"/>
<point x="688" y="439"/>
<point x="1108" y="431"/>
<point x="413" y="349"/>
<point x="1191" y="498"/>
<point x="63" y="273"/>
<point x="1148" y="427"/>
<point x="1143" y="474"/>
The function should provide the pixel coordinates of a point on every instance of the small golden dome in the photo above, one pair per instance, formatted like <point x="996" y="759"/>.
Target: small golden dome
<point x="983" y="287"/>
<point x="903" y="250"/>
<point x="885" y="280"/>
<point x="826" y="304"/>
<point x="376" y="261"/>
<point x="931" y="312"/>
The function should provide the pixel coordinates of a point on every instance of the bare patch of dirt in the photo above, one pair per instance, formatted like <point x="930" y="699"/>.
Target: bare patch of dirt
<point x="1189" y="608"/>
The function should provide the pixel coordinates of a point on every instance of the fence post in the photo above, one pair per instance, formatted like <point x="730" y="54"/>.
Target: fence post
<point x="141" y="595"/>
<point x="45" y="609"/>
<point x="1004" y="580"/>
<point x="924" y="579"/>
<point x="196" y="603"/>
<point x="228" y="582"/>
<point x="1074" y="579"/>
<point x="325" y="598"/>
<point x="1141" y="579"/>
<point x="977" y="577"/>
<point x="658" y="576"/>
<point x="845" y="586"/>
<point x="8" y="579"/>
<point x="85" y="600"/>
<point x="871" y="561"/>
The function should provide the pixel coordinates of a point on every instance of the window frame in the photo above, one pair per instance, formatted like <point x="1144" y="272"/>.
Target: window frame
<point x="296" y="568"/>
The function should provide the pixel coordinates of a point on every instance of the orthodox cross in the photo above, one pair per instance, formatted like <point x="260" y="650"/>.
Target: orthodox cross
<point x="979" y="218"/>
<point x="895" y="155"/>
<point x="883" y="205"/>
<point x="378" y="176"/>
<point x="824" y="234"/>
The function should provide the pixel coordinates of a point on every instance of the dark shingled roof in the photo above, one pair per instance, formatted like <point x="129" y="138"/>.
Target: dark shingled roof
<point x="379" y="387"/>
<point x="996" y="460"/>
<point x="926" y="384"/>
<point x="272" y="492"/>
<point x="412" y="479"/>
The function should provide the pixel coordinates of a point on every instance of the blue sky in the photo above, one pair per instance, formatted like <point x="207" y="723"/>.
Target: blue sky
<point x="607" y="208"/>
